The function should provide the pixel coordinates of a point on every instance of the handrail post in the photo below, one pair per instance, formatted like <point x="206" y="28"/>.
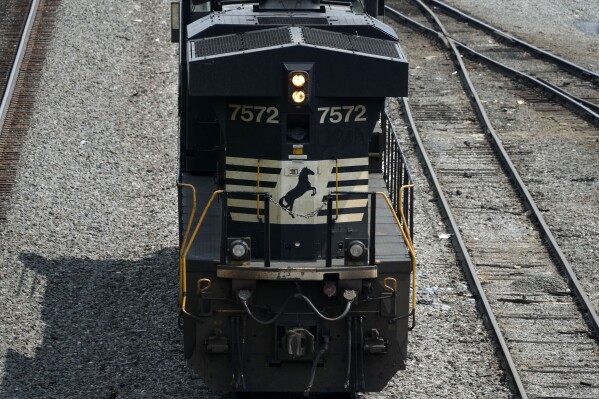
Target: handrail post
<point x="412" y="214"/>
<point x="371" y="241"/>
<point x="329" y="253"/>
<point x="384" y="121"/>
<point x="405" y="204"/>
<point x="223" y="230"/>
<point x="386" y="155"/>
<point x="266" y="230"/>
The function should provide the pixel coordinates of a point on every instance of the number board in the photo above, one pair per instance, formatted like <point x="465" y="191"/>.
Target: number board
<point x="253" y="113"/>
<point x="342" y="114"/>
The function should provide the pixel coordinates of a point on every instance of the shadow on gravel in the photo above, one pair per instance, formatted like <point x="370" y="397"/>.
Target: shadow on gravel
<point x="110" y="332"/>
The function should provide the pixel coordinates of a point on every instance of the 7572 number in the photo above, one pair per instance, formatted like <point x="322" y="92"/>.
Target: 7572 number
<point x="348" y="113"/>
<point x="254" y="113"/>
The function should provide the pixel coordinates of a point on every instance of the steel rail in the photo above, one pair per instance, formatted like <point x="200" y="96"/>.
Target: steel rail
<point x="483" y="304"/>
<point x="463" y="256"/>
<point x="584" y="102"/>
<point x="566" y="65"/>
<point x="575" y="104"/>
<point x="581" y="296"/>
<point x="16" y="66"/>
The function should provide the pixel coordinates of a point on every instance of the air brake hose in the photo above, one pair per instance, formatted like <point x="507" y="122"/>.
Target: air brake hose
<point x="245" y="295"/>
<point x="348" y="352"/>
<point x="263" y="322"/>
<point x="315" y="364"/>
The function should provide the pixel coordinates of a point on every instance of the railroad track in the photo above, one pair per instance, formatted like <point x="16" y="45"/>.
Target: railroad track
<point x="26" y="28"/>
<point x="547" y="144"/>
<point x="576" y="81"/>
<point x="13" y="15"/>
<point x="562" y="72"/>
<point x="547" y="349"/>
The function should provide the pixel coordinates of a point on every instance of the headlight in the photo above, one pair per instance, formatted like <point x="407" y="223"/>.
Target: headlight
<point x="298" y="80"/>
<point x="356" y="250"/>
<point x="298" y="88"/>
<point x="298" y="96"/>
<point x="239" y="250"/>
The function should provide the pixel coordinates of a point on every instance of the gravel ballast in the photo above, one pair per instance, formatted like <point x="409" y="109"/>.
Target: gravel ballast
<point x="88" y="254"/>
<point x="552" y="25"/>
<point x="88" y="275"/>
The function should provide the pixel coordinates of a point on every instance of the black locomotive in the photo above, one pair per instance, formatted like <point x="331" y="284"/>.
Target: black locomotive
<point x="295" y="268"/>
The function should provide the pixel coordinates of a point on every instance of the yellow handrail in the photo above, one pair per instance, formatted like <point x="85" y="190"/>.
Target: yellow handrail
<point x="199" y="288"/>
<point x="187" y="242"/>
<point x="406" y="237"/>
<point x="186" y="246"/>
<point x="405" y="224"/>
<point x="392" y="288"/>
<point x="193" y="212"/>
<point x="403" y="216"/>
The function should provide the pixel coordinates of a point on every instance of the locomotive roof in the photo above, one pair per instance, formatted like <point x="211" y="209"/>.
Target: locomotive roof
<point x="243" y="18"/>
<point x="286" y="36"/>
<point x="240" y="52"/>
<point x="250" y="64"/>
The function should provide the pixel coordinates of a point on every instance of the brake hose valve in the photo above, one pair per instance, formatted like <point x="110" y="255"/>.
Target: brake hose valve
<point x="350" y="295"/>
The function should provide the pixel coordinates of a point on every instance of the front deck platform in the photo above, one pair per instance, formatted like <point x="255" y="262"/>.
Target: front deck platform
<point x="390" y="246"/>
